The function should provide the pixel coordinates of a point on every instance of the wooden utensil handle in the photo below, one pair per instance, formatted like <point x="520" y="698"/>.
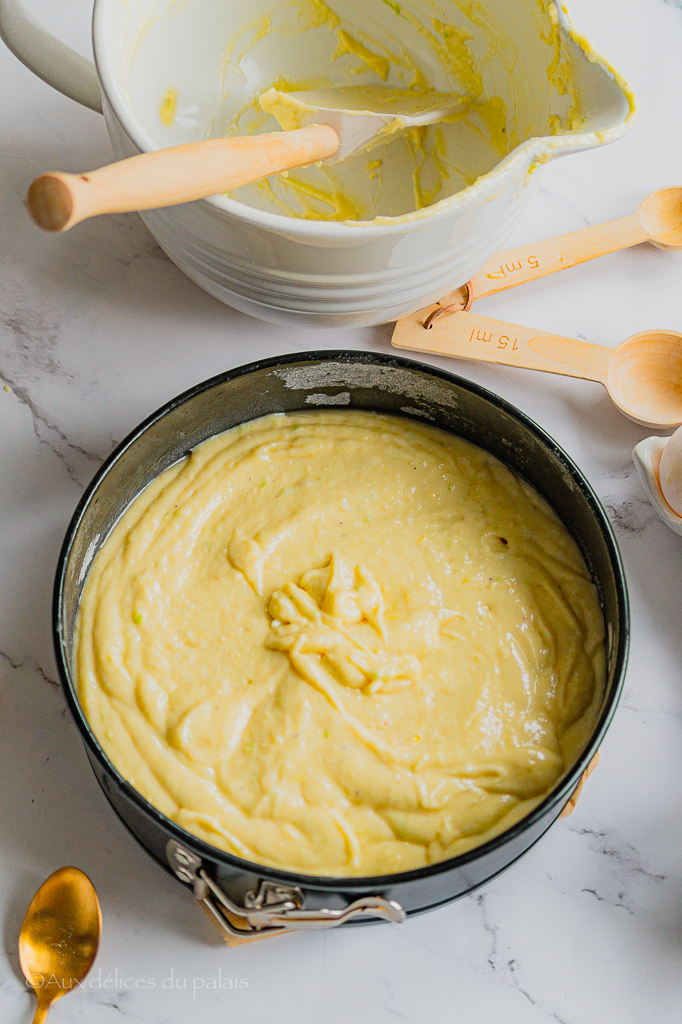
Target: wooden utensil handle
<point x="469" y="336"/>
<point x="528" y="262"/>
<point x="167" y="177"/>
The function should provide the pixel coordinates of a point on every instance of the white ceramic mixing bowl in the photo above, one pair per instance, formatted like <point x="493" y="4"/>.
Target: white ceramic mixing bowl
<point x="559" y="95"/>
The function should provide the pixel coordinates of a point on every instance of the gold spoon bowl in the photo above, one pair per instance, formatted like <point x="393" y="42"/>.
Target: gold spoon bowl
<point x="60" y="936"/>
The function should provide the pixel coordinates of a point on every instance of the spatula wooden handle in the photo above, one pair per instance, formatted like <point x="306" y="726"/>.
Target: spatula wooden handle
<point x="167" y="177"/>
<point x="528" y="262"/>
<point x="469" y="336"/>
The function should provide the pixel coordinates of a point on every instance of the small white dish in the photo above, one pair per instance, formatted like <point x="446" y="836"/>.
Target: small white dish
<point x="647" y="455"/>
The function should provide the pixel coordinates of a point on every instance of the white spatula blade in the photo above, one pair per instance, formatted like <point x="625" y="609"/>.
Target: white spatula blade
<point x="361" y="114"/>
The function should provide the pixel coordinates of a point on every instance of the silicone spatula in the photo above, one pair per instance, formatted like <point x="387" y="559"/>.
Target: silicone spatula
<point x="332" y="124"/>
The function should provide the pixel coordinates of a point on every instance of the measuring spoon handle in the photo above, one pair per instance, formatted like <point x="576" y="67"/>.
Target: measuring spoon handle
<point x="469" y="336"/>
<point x="179" y="174"/>
<point x="528" y="262"/>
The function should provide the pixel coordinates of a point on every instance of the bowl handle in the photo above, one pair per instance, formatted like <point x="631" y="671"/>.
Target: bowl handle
<point x="47" y="57"/>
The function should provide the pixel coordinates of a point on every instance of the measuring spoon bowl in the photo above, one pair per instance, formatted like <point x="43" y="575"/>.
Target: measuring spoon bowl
<point x="661" y="217"/>
<point x="644" y="379"/>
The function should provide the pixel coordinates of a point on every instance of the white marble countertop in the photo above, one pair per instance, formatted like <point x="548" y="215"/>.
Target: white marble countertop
<point x="97" y="329"/>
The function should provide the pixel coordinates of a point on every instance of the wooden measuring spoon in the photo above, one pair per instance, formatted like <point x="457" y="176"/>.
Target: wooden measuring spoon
<point x="658" y="220"/>
<point x="643" y="375"/>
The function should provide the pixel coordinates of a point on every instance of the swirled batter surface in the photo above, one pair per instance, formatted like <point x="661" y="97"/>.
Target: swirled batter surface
<point x="340" y="643"/>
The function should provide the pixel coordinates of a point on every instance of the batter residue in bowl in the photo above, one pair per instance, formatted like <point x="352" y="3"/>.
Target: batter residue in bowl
<point x="511" y="62"/>
<point x="340" y="643"/>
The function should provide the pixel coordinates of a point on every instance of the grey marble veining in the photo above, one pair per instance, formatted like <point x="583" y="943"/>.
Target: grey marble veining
<point x="97" y="329"/>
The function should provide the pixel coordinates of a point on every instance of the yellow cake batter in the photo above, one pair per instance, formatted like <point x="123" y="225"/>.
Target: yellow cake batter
<point x="340" y="643"/>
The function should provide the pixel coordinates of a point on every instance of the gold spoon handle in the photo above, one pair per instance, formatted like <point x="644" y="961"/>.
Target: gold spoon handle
<point x="469" y="336"/>
<point x="41" y="1010"/>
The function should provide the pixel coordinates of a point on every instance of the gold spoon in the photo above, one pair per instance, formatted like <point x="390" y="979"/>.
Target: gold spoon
<point x="643" y="375"/>
<point x="59" y="937"/>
